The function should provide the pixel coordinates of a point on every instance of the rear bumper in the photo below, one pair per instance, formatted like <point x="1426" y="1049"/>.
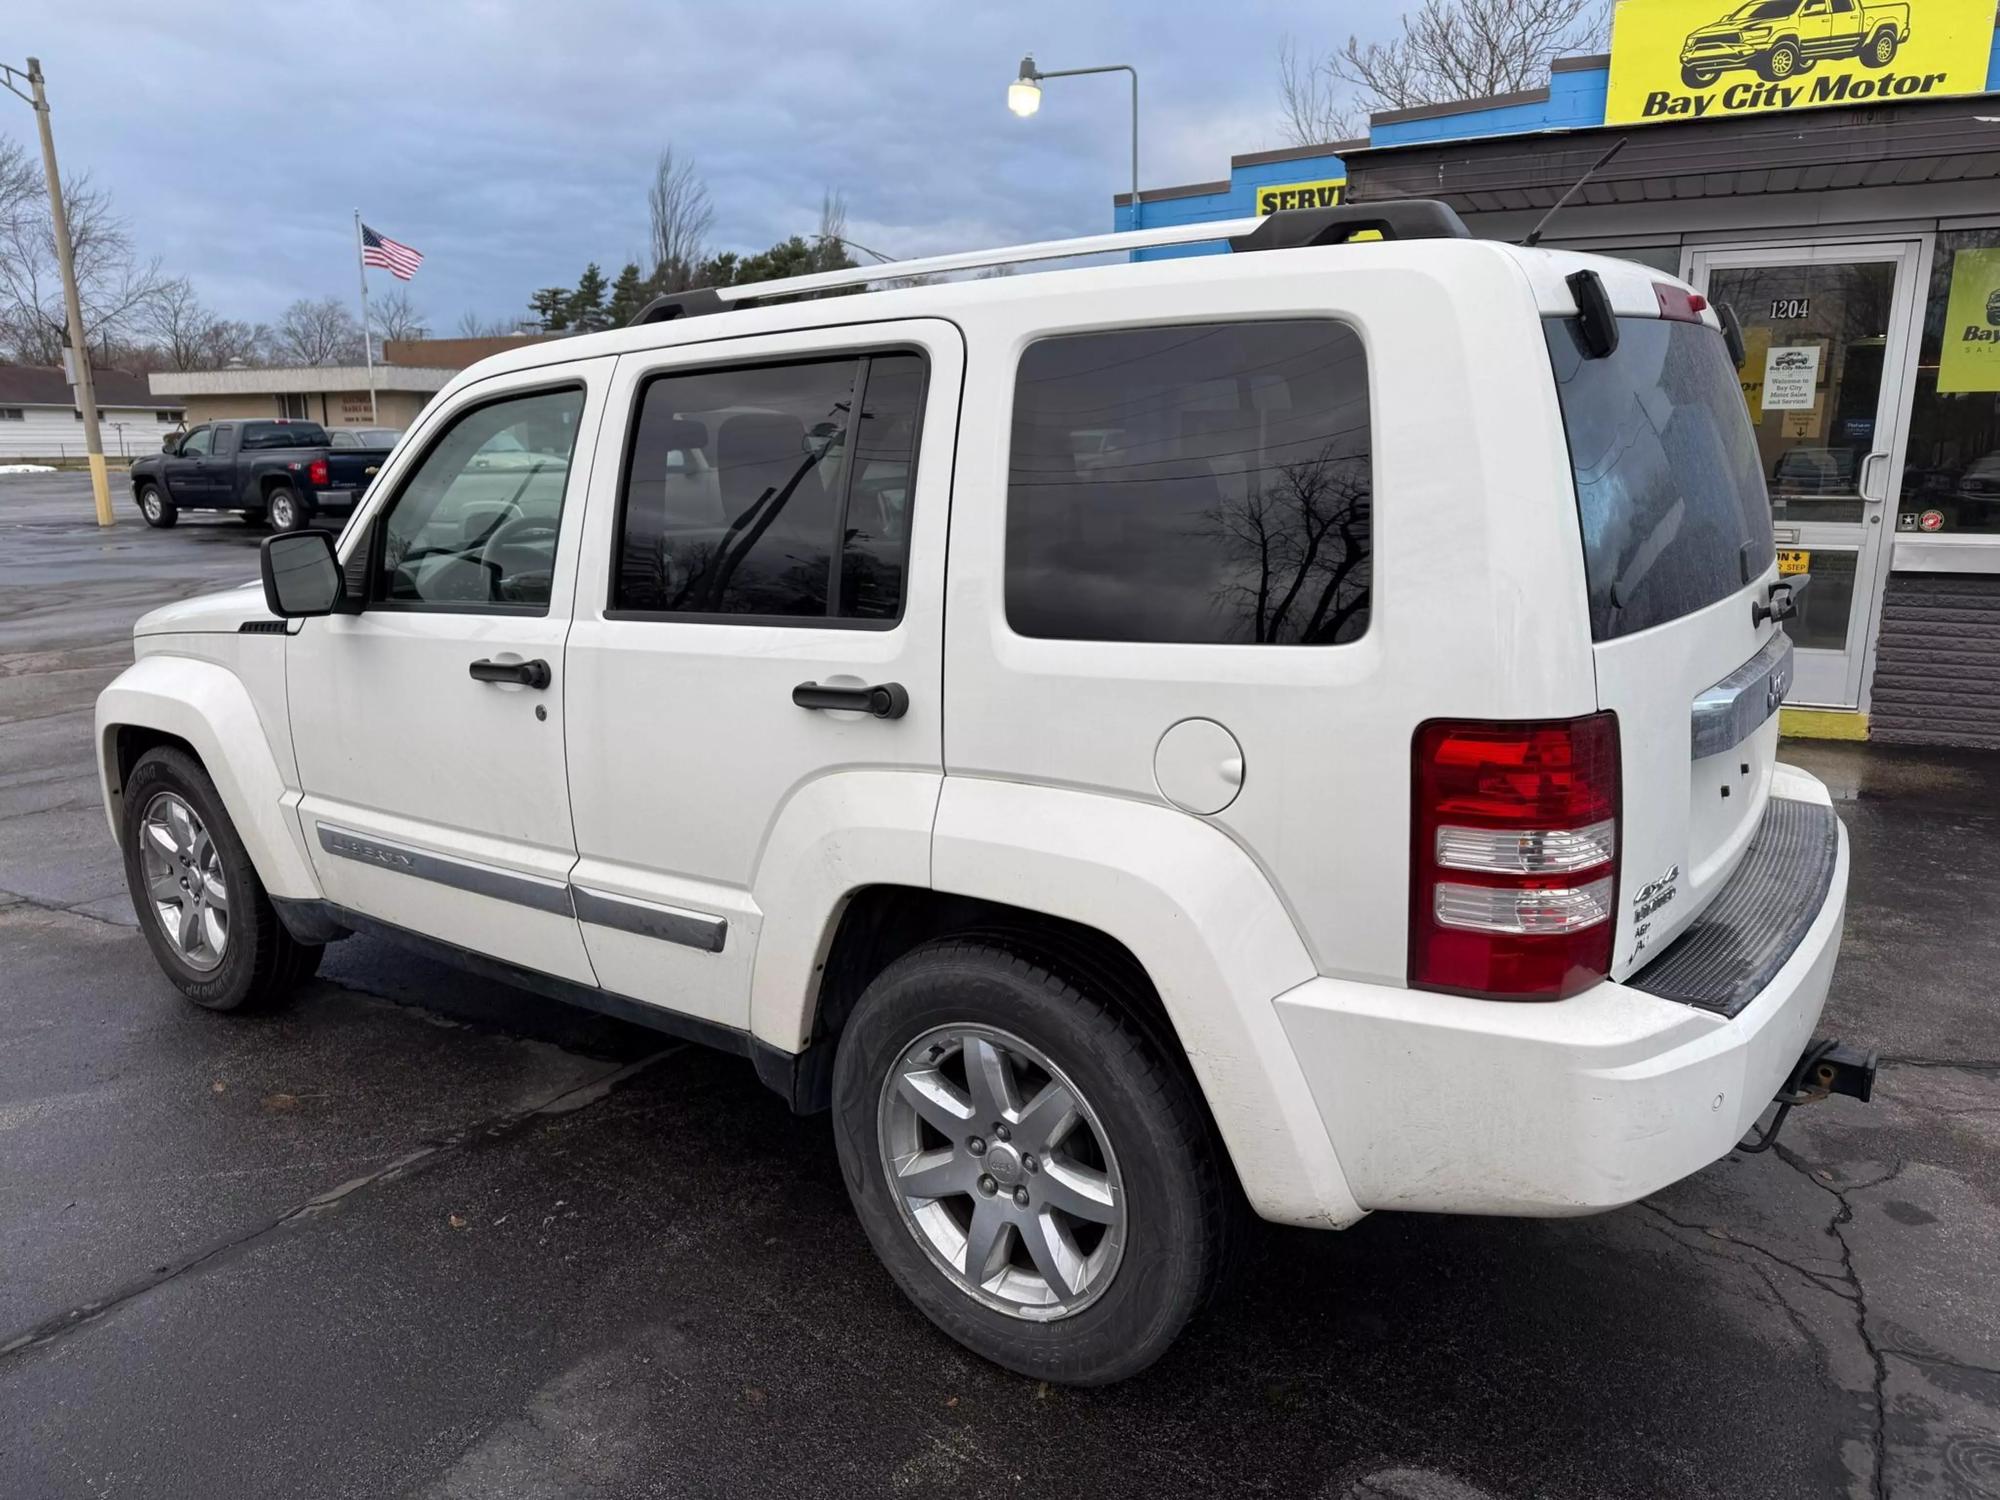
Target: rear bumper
<point x="1451" y="1105"/>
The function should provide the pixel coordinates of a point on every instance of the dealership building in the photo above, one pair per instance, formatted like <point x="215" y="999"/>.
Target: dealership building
<point x="1831" y="171"/>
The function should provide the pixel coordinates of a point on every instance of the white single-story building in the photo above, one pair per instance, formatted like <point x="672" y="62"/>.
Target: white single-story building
<point x="39" y="417"/>
<point x="331" y="395"/>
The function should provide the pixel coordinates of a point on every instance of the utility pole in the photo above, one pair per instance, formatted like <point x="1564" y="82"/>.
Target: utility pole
<point x="86" y="390"/>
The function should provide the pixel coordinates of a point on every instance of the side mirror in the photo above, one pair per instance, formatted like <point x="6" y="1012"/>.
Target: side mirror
<point x="301" y="574"/>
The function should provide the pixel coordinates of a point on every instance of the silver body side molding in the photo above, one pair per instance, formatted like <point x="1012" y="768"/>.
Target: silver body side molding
<point x="668" y="924"/>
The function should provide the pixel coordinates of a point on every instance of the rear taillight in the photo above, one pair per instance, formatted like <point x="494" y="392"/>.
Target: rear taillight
<point x="316" y="471"/>
<point x="1513" y="856"/>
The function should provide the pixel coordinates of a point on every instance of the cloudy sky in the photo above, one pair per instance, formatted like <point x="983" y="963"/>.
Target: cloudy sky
<point x="511" y="140"/>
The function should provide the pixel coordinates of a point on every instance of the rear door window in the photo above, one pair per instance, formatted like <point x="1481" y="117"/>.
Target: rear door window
<point x="1669" y="491"/>
<point x="756" y="494"/>
<point x="1201" y="484"/>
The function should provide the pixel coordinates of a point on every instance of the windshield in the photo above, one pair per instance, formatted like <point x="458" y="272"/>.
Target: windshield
<point x="1765" y="10"/>
<point x="1668" y="487"/>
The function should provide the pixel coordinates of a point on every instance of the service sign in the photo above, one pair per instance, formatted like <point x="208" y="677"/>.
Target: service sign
<point x="1707" y="59"/>
<point x="1323" y="192"/>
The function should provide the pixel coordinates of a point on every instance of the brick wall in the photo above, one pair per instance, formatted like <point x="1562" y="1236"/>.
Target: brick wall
<point x="1937" y="665"/>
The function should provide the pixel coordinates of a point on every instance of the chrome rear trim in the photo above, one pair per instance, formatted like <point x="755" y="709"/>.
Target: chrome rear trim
<point x="1728" y="712"/>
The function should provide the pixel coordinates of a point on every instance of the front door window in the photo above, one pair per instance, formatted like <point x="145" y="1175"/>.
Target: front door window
<point x="476" y="522"/>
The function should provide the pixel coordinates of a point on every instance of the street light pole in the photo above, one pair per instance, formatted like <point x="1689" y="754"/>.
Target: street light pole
<point x="86" y="390"/>
<point x="1024" y="97"/>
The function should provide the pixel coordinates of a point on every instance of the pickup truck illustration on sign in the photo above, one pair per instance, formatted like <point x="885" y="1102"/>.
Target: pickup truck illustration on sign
<point x="1780" y="39"/>
<point x="1764" y="55"/>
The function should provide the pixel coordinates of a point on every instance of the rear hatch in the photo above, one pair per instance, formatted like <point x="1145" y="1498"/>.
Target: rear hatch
<point x="1678" y="550"/>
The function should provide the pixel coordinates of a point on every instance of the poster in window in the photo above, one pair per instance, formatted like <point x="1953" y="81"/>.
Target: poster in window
<point x="1970" y="357"/>
<point x="1791" y="377"/>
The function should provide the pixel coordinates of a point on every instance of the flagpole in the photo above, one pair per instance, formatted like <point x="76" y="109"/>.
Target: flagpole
<point x="367" y="333"/>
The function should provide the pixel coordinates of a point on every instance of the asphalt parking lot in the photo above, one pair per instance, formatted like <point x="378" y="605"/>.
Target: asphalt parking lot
<point x="416" y="1234"/>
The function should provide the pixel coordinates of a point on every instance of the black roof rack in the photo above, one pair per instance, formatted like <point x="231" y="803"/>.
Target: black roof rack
<point x="670" y="305"/>
<point x="1402" y="219"/>
<point x="1293" y="229"/>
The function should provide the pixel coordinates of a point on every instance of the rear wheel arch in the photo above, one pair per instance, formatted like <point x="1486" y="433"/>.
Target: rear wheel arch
<point x="881" y="923"/>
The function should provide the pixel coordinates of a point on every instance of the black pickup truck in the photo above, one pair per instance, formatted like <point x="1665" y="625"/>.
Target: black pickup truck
<point x="276" y="471"/>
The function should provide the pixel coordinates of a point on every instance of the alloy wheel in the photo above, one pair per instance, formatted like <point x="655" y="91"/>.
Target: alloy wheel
<point x="150" y="504"/>
<point x="284" y="515"/>
<point x="184" y="881"/>
<point x="1002" y="1171"/>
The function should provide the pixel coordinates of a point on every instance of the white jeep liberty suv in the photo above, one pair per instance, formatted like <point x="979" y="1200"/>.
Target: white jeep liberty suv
<point x="1295" y="727"/>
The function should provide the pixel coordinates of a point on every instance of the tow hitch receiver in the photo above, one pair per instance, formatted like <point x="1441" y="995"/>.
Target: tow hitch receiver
<point x="1826" y="1067"/>
<point x="1830" y="1067"/>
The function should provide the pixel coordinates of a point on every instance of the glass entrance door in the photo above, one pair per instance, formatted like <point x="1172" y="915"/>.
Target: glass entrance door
<point x="1826" y="329"/>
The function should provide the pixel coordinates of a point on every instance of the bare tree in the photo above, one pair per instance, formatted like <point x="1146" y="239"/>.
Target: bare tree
<point x="318" y="332"/>
<point x="181" y="328"/>
<point x="1310" y="100"/>
<point x="472" y="326"/>
<point x="182" y="334"/>
<point x="395" y="315"/>
<point x="1446" y="50"/>
<point x="115" y="288"/>
<point x="830" y="241"/>
<point x="681" y="218"/>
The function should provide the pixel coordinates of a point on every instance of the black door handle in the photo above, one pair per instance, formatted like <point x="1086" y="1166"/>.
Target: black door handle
<point x="885" y="700"/>
<point x="534" y="674"/>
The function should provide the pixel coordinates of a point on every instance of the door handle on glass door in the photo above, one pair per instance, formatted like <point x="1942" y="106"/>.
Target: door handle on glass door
<point x="534" y="674"/>
<point x="1868" y="472"/>
<point x="885" y="700"/>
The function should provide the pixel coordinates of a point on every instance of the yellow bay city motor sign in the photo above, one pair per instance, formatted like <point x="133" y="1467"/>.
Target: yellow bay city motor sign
<point x="1703" y="59"/>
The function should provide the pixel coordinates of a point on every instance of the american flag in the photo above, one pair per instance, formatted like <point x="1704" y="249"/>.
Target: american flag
<point x="400" y="261"/>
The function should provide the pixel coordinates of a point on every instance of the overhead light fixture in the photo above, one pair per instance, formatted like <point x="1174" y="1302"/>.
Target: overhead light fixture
<point x="1024" y="94"/>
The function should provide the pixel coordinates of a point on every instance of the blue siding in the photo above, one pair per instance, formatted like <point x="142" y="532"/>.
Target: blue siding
<point x="1576" y="99"/>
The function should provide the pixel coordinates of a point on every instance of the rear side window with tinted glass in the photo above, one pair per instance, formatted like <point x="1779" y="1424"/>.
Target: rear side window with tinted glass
<point x="753" y="493"/>
<point x="1201" y="484"/>
<point x="1669" y="490"/>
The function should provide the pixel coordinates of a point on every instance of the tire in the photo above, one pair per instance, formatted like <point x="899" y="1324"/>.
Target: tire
<point x="1780" y="63"/>
<point x="245" y="960"/>
<point x="1881" y="49"/>
<point x="1141" y="1142"/>
<point x="1699" y="78"/>
<point x="159" y="511"/>
<point x="284" y="510"/>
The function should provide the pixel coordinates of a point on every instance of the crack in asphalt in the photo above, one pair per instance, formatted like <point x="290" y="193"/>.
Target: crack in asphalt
<point x="1836" y="1227"/>
<point x="1964" y="1066"/>
<point x="16" y="898"/>
<point x="1939" y="1361"/>
<point x="564" y="1101"/>
<point x="1824" y="1280"/>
